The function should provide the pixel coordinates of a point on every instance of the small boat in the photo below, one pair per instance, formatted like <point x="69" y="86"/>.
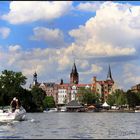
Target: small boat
<point x="63" y="109"/>
<point x="51" y="110"/>
<point x="137" y="111"/>
<point x="17" y="115"/>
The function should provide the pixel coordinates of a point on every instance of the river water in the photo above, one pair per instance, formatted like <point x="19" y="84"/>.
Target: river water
<point x="63" y="125"/>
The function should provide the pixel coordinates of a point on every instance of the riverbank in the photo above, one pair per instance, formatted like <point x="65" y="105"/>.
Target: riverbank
<point x="101" y="111"/>
<point x="119" y="111"/>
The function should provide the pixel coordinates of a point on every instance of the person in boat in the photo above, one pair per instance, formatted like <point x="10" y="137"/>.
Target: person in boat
<point x="13" y="104"/>
<point x="18" y="104"/>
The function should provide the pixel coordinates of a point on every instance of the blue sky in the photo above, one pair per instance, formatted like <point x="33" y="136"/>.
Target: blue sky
<point x="41" y="36"/>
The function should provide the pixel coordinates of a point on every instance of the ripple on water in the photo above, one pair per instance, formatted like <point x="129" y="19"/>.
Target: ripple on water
<point x="81" y="137"/>
<point x="62" y="128"/>
<point x="34" y="121"/>
<point x="74" y="126"/>
<point x="11" y="137"/>
<point x="54" y="131"/>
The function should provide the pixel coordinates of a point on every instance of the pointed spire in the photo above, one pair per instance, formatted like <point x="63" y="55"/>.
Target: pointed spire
<point x="109" y="75"/>
<point x="74" y="76"/>
<point x="74" y="69"/>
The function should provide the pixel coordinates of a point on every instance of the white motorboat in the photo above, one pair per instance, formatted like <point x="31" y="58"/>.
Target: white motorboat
<point x="51" y="110"/>
<point x="7" y="115"/>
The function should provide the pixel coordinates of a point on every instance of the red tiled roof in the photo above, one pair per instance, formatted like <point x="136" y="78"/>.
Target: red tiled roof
<point x="83" y="85"/>
<point x="105" y="82"/>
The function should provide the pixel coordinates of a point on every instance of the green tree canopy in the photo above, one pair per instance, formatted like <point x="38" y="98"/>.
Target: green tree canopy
<point x="132" y="98"/>
<point x="49" y="102"/>
<point x="10" y="84"/>
<point x="38" y="95"/>
<point x="117" y="98"/>
<point x="87" y="96"/>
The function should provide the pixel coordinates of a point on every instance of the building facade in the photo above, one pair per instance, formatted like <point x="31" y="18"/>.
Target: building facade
<point x="51" y="89"/>
<point x="104" y="87"/>
<point x="135" y="88"/>
<point x="63" y="93"/>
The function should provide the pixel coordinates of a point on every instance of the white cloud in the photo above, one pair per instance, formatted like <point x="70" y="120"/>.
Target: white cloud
<point x="53" y="37"/>
<point x="88" y="6"/>
<point x="114" y="31"/>
<point x="49" y="63"/>
<point x="30" y="11"/>
<point x="131" y="74"/>
<point x="14" y="48"/>
<point x="42" y="60"/>
<point x="95" y="69"/>
<point x="4" y="31"/>
<point x="109" y="33"/>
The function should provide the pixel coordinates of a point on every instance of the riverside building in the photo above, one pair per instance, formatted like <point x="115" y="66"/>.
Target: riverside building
<point x="63" y="93"/>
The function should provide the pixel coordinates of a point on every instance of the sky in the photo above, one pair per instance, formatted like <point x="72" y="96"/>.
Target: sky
<point x="47" y="36"/>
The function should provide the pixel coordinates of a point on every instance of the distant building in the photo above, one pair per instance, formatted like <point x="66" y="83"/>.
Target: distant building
<point x="64" y="93"/>
<point x="68" y="92"/>
<point x="104" y="87"/>
<point x="51" y="89"/>
<point x="135" y="88"/>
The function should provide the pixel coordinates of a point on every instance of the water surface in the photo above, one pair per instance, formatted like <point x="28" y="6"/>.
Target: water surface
<point x="65" y="125"/>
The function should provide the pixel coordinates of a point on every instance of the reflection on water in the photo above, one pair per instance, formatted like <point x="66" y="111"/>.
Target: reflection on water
<point x="73" y="126"/>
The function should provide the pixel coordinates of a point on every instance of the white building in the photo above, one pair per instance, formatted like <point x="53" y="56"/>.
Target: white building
<point x="62" y="96"/>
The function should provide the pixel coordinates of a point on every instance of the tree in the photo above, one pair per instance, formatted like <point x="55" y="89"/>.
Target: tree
<point x="49" y="102"/>
<point x="111" y="99"/>
<point x="138" y="96"/>
<point x="132" y="99"/>
<point x="38" y="95"/>
<point x="25" y="98"/>
<point x="117" y="98"/>
<point x="86" y="96"/>
<point x="121" y="99"/>
<point x="10" y="84"/>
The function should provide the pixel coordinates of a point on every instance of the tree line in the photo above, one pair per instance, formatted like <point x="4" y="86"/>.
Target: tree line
<point x="33" y="100"/>
<point x="118" y="98"/>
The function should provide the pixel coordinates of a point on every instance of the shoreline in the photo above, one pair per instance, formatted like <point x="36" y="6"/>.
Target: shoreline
<point x="119" y="111"/>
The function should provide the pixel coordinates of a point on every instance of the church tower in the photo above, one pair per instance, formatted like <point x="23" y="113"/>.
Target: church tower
<point x="74" y="76"/>
<point x="35" y="79"/>
<point x="109" y="75"/>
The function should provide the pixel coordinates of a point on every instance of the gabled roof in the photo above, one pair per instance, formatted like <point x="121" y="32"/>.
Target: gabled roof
<point x="50" y="84"/>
